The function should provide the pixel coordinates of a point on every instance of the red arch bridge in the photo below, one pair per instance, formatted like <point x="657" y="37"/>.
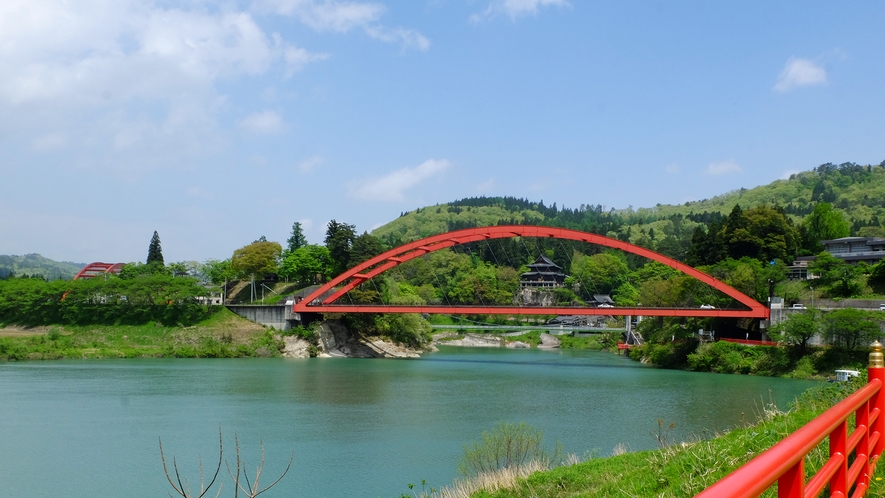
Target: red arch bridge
<point x="325" y="299"/>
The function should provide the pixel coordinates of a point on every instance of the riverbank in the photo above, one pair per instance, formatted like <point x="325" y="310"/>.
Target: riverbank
<point x="222" y="335"/>
<point x="532" y="339"/>
<point x="812" y="362"/>
<point x="681" y="469"/>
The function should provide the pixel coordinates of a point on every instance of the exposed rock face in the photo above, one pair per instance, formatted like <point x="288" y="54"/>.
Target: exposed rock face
<point x="535" y="297"/>
<point x="336" y="341"/>
<point x="549" y="341"/>
<point x="296" y="347"/>
<point x="518" y="345"/>
<point x="476" y="340"/>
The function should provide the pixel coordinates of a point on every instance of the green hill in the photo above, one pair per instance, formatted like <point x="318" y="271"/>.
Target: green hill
<point x="37" y="265"/>
<point x="858" y="191"/>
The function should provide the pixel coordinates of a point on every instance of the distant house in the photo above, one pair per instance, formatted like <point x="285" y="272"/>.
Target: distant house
<point x="799" y="269"/>
<point x="870" y="250"/>
<point x="543" y="273"/>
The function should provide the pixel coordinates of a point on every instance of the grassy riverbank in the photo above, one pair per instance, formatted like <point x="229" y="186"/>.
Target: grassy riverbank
<point x="678" y="470"/>
<point x="813" y="362"/>
<point x="222" y="335"/>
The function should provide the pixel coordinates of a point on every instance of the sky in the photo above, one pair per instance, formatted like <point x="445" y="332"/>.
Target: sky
<point x="216" y="123"/>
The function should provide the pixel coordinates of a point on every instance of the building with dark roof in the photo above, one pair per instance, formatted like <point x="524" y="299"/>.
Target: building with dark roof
<point x="870" y="250"/>
<point x="543" y="273"/>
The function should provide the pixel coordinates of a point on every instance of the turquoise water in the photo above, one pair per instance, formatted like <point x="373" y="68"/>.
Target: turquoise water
<point x="356" y="427"/>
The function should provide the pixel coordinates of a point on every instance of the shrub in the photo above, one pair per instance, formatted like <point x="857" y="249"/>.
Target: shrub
<point x="508" y="445"/>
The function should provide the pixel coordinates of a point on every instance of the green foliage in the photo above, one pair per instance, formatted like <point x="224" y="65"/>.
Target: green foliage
<point x="726" y="357"/>
<point x="217" y="271"/>
<point x="137" y="270"/>
<point x="404" y="328"/>
<point x="35" y="264"/>
<point x="798" y="329"/>
<point x="508" y="445"/>
<point x="600" y="273"/>
<point x="339" y="240"/>
<point x="365" y="247"/>
<point x="210" y="338"/>
<point x="297" y="239"/>
<point x="686" y="469"/>
<point x="876" y="279"/>
<point x="155" y="251"/>
<point x="256" y="260"/>
<point x="850" y="328"/>
<point x="307" y="264"/>
<point x="159" y="298"/>
<point x="824" y="223"/>
<point x="837" y="278"/>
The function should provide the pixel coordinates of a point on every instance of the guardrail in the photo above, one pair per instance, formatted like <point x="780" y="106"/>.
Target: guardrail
<point x="853" y="457"/>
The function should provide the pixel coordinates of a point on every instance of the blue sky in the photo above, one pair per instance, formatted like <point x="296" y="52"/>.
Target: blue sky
<point x="217" y="122"/>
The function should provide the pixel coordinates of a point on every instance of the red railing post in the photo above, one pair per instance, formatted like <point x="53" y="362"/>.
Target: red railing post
<point x="838" y="446"/>
<point x="792" y="483"/>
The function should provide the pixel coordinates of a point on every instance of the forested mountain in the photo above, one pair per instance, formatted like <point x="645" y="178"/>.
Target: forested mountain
<point x="38" y="266"/>
<point x="857" y="192"/>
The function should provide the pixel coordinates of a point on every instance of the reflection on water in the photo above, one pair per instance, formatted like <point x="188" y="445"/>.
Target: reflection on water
<point x="358" y="427"/>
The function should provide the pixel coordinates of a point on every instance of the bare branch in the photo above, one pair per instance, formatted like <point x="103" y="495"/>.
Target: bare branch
<point x="183" y="489"/>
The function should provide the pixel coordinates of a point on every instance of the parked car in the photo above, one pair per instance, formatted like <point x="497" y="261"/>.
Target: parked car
<point x="882" y="307"/>
<point x="605" y="305"/>
<point x="707" y="307"/>
<point x="798" y="306"/>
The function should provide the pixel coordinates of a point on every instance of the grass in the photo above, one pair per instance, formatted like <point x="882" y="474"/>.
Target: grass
<point x="674" y="470"/>
<point x="223" y="335"/>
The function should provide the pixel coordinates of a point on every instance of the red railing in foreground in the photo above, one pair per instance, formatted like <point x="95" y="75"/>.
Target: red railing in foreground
<point x="852" y="459"/>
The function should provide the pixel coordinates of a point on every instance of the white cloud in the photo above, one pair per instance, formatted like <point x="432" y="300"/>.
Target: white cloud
<point x="724" y="168"/>
<point x="296" y="58"/>
<point x="330" y="15"/>
<point x="393" y="186"/>
<point x="310" y="164"/>
<point x="407" y="38"/>
<point x="341" y="17"/>
<point x="673" y="169"/>
<point x="131" y="83"/>
<point x="800" y="72"/>
<point x="266" y="122"/>
<point x="515" y="8"/>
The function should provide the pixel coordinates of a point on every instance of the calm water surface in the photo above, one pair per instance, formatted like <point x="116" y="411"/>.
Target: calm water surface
<point x="357" y="427"/>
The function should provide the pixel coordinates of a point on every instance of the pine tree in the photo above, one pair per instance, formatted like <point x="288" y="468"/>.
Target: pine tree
<point x="155" y="252"/>
<point x="297" y="239"/>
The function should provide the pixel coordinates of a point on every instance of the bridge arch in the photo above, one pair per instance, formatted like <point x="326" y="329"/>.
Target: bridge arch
<point x="323" y="299"/>
<point x="98" y="268"/>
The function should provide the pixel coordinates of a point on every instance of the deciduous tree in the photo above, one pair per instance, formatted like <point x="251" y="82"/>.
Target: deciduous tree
<point x="307" y="263"/>
<point x="824" y="223"/>
<point x="257" y="259"/>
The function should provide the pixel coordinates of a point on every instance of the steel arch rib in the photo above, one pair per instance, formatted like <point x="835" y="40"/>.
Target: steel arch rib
<point x="387" y="260"/>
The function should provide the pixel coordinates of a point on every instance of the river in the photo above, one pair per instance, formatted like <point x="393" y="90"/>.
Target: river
<point x="82" y="428"/>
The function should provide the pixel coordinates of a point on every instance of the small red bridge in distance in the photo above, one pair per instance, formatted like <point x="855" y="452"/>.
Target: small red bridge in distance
<point x="95" y="269"/>
<point x="325" y="299"/>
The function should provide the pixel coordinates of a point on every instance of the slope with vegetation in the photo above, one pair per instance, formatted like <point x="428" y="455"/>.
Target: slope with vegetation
<point x="35" y="265"/>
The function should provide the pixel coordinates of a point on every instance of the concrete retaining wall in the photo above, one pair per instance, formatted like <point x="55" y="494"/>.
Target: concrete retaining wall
<point x="278" y="317"/>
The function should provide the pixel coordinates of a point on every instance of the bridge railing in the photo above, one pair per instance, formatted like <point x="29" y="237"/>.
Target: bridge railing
<point x="853" y="457"/>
